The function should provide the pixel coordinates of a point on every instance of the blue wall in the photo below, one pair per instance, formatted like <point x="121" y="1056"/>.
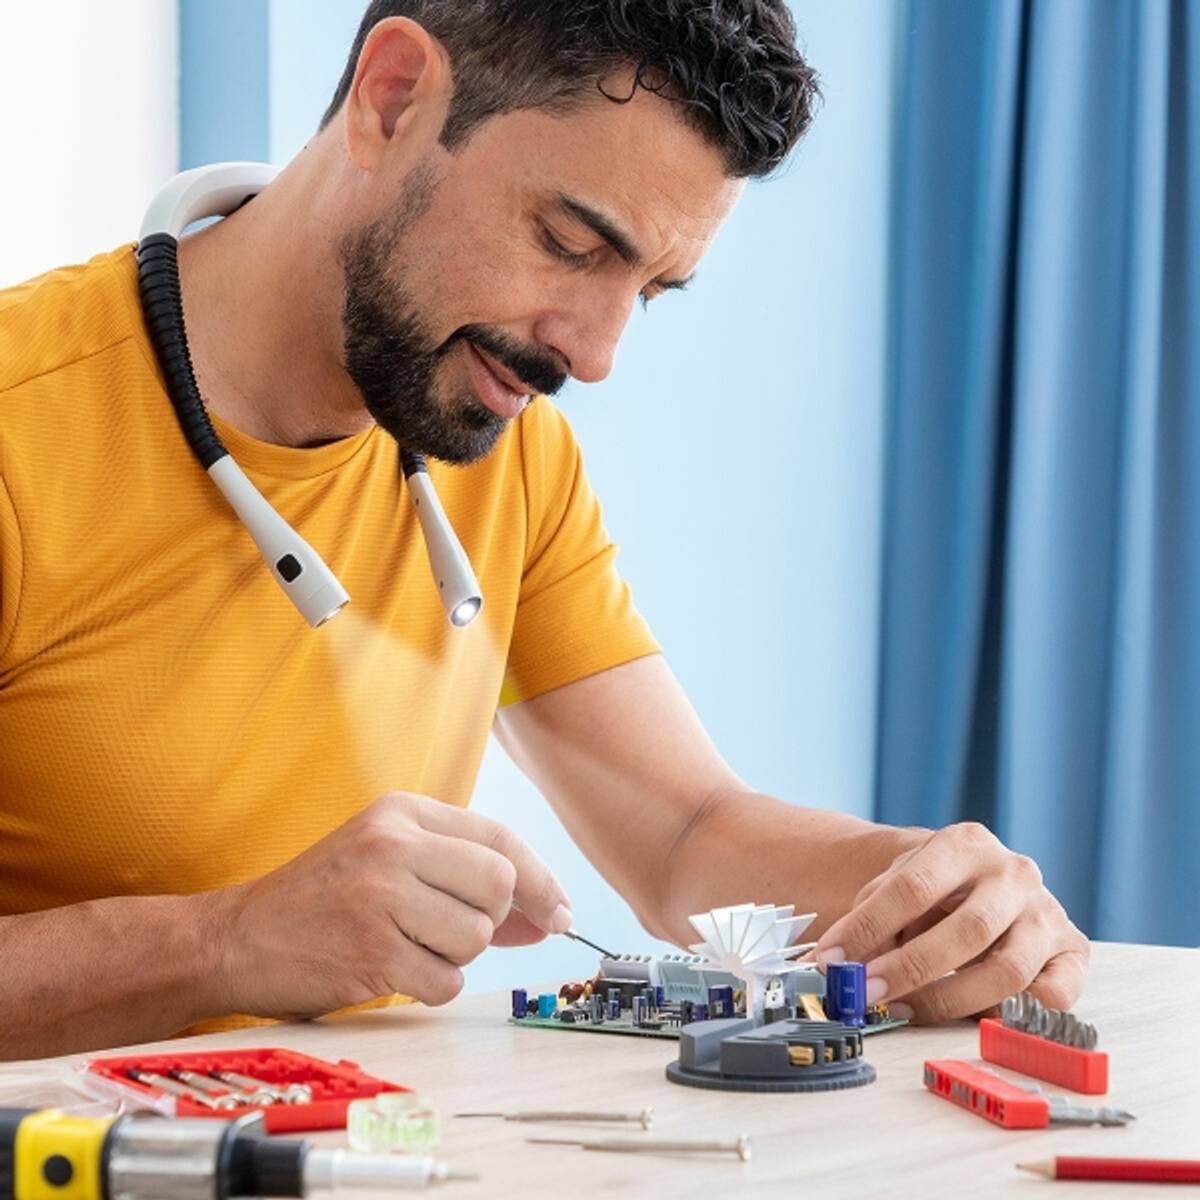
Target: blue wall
<point x="762" y="583"/>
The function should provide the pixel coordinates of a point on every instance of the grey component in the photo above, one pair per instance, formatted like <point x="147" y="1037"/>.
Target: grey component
<point x="151" y="1157"/>
<point x="734" y="1056"/>
<point x="1062" y="1112"/>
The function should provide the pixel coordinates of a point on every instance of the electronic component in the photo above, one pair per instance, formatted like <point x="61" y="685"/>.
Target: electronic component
<point x="741" y="1147"/>
<point x="547" y="1005"/>
<point x="737" y="1055"/>
<point x="846" y="993"/>
<point x="754" y="943"/>
<point x="1006" y="1104"/>
<point x="811" y="1007"/>
<point x="1045" y="1043"/>
<point x="520" y="1003"/>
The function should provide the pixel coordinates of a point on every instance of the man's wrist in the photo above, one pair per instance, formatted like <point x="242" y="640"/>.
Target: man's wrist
<point x="212" y="974"/>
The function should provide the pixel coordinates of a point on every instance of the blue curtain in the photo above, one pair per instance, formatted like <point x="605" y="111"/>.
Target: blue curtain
<point x="1040" y="651"/>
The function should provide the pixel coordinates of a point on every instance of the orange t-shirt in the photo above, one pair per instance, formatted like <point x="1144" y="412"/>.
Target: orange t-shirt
<point x="168" y="722"/>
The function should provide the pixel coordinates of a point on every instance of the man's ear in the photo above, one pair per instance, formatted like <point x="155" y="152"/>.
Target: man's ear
<point x="402" y="84"/>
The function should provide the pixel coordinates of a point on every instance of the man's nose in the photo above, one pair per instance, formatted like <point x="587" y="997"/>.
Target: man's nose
<point x="587" y="337"/>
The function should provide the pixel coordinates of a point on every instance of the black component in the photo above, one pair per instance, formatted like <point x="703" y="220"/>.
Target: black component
<point x="58" y="1171"/>
<point x="733" y="1055"/>
<point x="566" y="1016"/>
<point x="162" y="304"/>
<point x="260" y="1166"/>
<point x="412" y="464"/>
<point x="289" y="568"/>
<point x="531" y="1006"/>
<point x="10" y="1122"/>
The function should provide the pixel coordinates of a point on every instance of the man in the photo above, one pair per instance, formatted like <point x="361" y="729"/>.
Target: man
<point x="206" y="808"/>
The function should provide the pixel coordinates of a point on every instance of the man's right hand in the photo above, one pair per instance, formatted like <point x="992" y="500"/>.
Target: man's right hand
<point x="396" y="900"/>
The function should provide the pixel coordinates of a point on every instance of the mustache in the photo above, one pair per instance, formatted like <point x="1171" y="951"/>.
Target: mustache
<point x="543" y="371"/>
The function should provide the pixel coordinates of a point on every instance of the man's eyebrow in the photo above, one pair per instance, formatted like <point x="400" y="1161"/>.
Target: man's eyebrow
<point x="621" y="242"/>
<point x="603" y="227"/>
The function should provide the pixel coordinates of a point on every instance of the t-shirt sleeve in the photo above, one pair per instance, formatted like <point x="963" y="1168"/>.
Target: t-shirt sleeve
<point x="575" y="616"/>
<point x="10" y="569"/>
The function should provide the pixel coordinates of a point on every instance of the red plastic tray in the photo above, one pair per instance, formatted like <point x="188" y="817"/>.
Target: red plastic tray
<point x="334" y="1085"/>
<point x="1080" y="1070"/>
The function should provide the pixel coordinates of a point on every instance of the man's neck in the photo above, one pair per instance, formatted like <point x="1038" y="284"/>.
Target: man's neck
<point x="262" y="294"/>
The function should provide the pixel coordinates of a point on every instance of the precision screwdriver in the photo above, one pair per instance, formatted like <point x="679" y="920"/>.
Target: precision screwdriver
<point x="46" y="1154"/>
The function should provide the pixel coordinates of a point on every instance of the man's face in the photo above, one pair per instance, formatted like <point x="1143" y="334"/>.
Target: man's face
<point x="513" y="264"/>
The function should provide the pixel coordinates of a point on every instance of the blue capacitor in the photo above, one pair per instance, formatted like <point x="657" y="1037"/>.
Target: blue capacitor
<point x="700" y="1012"/>
<point x="640" y="1008"/>
<point x="846" y="993"/>
<point x="614" y="1004"/>
<point x="547" y="1004"/>
<point x="520" y="1000"/>
<point x="720" y="1001"/>
<point x="660" y="997"/>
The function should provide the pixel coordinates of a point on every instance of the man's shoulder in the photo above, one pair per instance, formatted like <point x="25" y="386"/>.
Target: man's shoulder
<point x="66" y="316"/>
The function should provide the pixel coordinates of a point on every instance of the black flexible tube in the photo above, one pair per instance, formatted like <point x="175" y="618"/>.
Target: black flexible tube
<point x="162" y="304"/>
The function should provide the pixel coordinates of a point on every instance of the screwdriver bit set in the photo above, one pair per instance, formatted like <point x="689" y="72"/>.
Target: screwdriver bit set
<point x="1045" y="1043"/>
<point x="293" y="1092"/>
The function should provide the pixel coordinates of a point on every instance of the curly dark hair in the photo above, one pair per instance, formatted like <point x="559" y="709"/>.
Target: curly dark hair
<point x="731" y="65"/>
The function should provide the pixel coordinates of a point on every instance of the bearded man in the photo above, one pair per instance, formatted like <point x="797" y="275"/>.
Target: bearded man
<point x="207" y="809"/>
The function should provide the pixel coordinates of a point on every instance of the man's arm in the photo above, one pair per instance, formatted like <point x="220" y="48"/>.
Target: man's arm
<point x="398" y="899"/>
<point x="628" y="767"/>
<point x="105" y="973"/>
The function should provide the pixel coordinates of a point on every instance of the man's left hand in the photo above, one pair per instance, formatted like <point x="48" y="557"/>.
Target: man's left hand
<point x="962" y="903"/>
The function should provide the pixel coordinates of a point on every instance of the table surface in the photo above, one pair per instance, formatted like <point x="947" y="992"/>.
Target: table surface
<point x="892" y="1138"/>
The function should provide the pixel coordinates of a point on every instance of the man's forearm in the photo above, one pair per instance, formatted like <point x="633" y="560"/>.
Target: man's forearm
<point x="105" y="973"/>
<point x="743" y="847"/>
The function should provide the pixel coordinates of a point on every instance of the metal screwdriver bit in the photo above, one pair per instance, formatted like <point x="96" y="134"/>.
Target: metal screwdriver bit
<point x="652" y="1146"/>
<point x="150" y="1079"/>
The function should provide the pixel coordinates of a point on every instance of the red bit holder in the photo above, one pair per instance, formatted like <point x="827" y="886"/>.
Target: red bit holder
<point x="333" y="1085"/>
<point x="1080" y="1070"/>
<point x="987" y="1095"/>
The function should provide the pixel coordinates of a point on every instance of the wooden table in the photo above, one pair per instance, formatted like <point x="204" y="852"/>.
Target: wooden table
<point x="890" y="1139"/>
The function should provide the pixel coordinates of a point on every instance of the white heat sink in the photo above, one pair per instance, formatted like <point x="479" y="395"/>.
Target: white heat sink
<point x="753" y="942"/>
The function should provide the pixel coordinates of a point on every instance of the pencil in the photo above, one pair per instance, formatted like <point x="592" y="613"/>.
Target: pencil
<point x="1132" y="1170"/>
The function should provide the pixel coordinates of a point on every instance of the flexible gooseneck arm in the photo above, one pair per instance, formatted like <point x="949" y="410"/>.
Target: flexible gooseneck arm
<point x="300" y="571"/>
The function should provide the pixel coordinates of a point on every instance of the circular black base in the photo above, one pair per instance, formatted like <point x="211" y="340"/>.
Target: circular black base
<point x="857" y="1075"/>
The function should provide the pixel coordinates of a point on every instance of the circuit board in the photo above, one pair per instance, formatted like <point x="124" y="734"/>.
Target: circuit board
<point x="624" y="1025"/>
<point x="654" y="997"/>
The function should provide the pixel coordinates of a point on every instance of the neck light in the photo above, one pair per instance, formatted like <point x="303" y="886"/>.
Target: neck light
<point x="297" y="568"/>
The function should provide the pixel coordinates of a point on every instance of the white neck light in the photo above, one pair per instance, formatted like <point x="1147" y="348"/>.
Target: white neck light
<point x="308" y="582"/>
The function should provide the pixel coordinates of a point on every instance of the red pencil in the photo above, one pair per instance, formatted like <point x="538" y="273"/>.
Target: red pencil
<point x="1131" y="1170"/>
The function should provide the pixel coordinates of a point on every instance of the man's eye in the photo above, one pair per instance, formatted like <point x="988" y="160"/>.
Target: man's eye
<point x="556" y="248"/>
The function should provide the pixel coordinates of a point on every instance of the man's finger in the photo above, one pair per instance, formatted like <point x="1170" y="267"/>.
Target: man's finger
<point x="475" y="874"/>
<point x="904" y="896"/>
<point x="1012" y="966"/>
<point x="956" y="938"/>
<point x="439" y="922"/>
<point x="537" y="893"/>
<point x="518" y="930"/>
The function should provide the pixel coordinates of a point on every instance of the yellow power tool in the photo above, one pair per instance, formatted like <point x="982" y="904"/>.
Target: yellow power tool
<point x="46" y="1154"/>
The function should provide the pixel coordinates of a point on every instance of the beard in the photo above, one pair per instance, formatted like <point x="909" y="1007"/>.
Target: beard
<point x="393" y="358"/>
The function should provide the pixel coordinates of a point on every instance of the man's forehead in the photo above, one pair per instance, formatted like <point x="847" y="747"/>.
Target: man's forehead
<point x="637" y="165"/>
